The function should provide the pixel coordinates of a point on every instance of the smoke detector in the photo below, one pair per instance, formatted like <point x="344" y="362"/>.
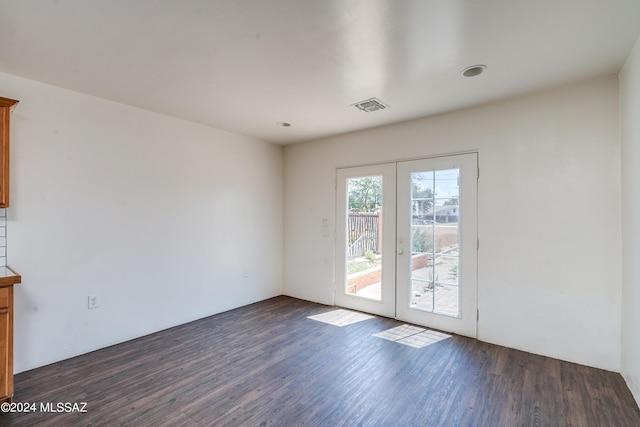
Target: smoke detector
<point x="370" y="105"/>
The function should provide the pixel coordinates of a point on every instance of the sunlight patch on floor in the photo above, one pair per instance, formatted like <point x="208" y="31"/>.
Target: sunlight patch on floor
<point x="413" y="336"/>
<point x="341" y="317"/>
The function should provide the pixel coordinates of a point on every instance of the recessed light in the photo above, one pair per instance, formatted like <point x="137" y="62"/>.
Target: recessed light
<point x="284" y="124"/>
<point x="474" y="70"/>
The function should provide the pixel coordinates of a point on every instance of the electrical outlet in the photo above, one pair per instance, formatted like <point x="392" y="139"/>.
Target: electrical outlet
<point x="94" y="301"/>
<point x="245" y="272"/>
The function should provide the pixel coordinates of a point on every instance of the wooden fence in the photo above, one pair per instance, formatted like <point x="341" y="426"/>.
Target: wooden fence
<point x="364" y="233"/>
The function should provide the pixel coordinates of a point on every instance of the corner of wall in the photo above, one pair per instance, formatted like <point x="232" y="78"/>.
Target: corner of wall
<point x="629" y="87"/>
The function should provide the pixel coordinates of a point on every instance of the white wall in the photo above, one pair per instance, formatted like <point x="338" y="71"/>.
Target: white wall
<point x="630" y="129"/>
<point x="548" y="214"/>
<point x="155" y="215"/>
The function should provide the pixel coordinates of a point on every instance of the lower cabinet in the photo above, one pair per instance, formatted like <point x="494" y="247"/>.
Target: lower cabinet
<point x="6" y="343"/>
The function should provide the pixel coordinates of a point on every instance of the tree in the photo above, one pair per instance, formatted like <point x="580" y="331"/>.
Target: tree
<point x="452" y="201"/>
<point x="365" y="194"/>
<point x="422" y="199"/>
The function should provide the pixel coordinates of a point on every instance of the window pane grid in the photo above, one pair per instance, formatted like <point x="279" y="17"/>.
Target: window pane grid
<point x="435" y="241"/>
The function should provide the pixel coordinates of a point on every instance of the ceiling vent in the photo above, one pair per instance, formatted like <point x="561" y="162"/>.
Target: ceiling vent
<point x="370" y="105"/>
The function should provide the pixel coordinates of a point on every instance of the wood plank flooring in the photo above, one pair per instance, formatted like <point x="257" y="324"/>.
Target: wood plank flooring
<point x="266" y="364"/>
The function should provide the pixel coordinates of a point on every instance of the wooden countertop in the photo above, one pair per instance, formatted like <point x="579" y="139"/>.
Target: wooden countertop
<point x="9" y="277"/>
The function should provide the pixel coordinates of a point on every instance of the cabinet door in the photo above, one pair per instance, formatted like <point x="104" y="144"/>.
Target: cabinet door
<point x="5" y="115"/>
<point x="6" y="341"/>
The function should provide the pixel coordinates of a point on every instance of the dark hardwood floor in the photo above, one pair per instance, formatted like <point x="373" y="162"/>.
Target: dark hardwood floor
<point x="267" y="364"/>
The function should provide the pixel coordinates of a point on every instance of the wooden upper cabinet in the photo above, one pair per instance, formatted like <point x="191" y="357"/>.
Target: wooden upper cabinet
<point x="5" y="116"/>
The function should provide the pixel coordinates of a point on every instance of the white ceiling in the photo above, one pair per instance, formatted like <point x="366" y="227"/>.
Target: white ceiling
<point x="246" y="65"/>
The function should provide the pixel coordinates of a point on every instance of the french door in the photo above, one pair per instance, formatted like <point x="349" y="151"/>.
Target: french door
<point x="406" y="241"/>
<point x="365" y="236"/>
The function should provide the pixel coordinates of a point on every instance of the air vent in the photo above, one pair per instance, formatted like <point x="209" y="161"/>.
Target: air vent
<point x="370" y="105"/>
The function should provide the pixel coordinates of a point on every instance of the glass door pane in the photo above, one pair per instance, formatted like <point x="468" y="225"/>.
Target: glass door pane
<point x="434" y="241"/>
<point x="364" y="237"/>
